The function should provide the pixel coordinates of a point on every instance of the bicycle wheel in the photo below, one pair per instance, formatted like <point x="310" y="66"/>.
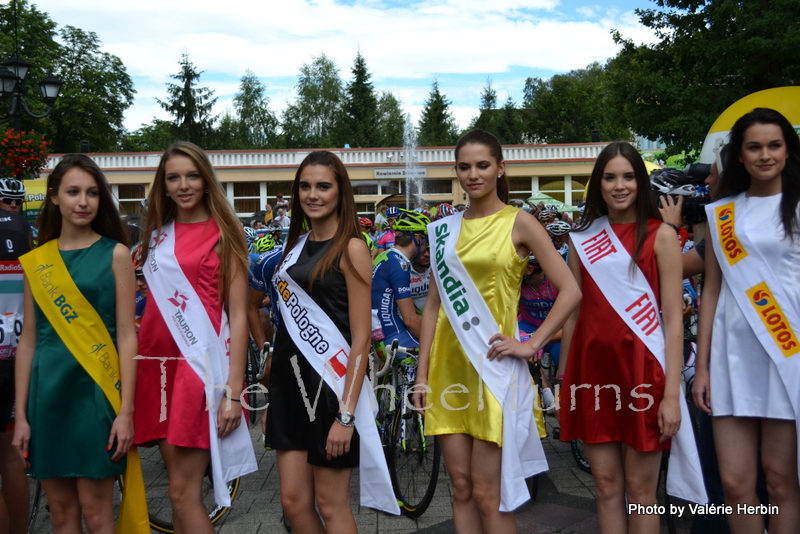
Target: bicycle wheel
<point x="576" y="446"/>
<point x="254" y="395"/>
<point x="156" y="486"/>
<point x="34" y="502"/>
<point x="413" y="463"/>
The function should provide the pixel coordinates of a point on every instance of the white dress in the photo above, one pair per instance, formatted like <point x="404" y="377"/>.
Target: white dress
<point x="744" y="379"/>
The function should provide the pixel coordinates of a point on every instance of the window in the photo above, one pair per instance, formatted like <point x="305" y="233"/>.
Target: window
<point x="391" y="187"/>
<point x="273" y="188"/>
<point x="366" y="209"/>
<point x="578" y="186"/>
<point x="553" y="187"/>
<point x="437" y="187"/>
<point x="520" y="187"/>
<point x="246" y="197"/>
<point x="365" y="188"/>
<point x="130" y="198"/>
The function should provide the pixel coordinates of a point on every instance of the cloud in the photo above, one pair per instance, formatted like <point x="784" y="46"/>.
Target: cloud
<point x="406" y="44"/>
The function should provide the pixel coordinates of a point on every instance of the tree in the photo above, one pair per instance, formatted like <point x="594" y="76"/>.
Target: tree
<point x="567" y="107"/>
<point x="357" y="126"/>
<point x="153" y="137"/>
<point x="486" y="118"/>
<point x="509" y="126"/>
<point x="391" y="121"/>
<point x="257" y="124"/>
<point x="710" y="54"/>
<point x="437" y="127"/>
<point x="97" y="90"/>
<point x="310" y="121"/>
<point x="190" y="105"/>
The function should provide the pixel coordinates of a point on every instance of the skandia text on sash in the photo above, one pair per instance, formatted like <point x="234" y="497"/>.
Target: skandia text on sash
<point x="298" y="313"/>
<point x="726" y="220"/>
<point x="58" y="299"/>
<point x="453" y="288"/>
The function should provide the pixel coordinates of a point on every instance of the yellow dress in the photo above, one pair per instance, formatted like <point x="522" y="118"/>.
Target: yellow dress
<point x="488" y="253"/>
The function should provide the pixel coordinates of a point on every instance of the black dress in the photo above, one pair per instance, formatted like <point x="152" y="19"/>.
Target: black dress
<point x="288" y="422"/>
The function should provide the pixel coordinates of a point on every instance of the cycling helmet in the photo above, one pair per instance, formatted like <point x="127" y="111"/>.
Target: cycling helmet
<point x="671" y="182"/>
<point x="445" y="210"/>
<point x="423" y="211"/>
<point x="11" y="188"/>
<point x="250" y="234"/>
<point x="558" y="228"/>
<point x="366" y="223"/>
<point x="551" y="207"/>
<point x="411" y="221"/>
<point x="546" y="216"/>
<point x="265" y="244"/>
<point x="532" y="260"/>
<point x="392" y="212"/>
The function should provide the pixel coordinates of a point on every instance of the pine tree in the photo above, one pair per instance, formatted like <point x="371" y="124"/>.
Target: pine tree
<point x="190" y="105"/>
<point x="509" y="127"/>
<point x="391" y="121"/>
<point x="357" y="125"/>
<point x="486" y="119"/>
<point x="437" y="127"/>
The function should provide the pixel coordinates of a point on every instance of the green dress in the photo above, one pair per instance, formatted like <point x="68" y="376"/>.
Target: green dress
<point x="69" y="415"/>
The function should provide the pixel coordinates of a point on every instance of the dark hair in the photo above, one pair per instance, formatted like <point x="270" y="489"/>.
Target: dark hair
<point x="482" y="137"/>
<point x="348" y="216"/>
<point x="645" y="200"/>
<point x="107" y="221"/>
<point x="734" y="179"/>
<point x="162" y="210"/>
<point x="404" y="239"/>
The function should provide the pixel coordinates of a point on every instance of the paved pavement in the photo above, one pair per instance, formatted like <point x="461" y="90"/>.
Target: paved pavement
<point x="564" y="503"/>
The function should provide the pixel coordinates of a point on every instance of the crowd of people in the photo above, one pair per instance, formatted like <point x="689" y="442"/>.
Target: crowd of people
<point x="104" y="351"/>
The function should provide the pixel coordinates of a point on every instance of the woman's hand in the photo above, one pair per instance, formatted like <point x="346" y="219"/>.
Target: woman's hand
<point x="502" y="346"/>
<point x="339" y="438"/>
<point x="229" y="416"/>
<point x="122" y="434"/>
<point x="22" y="440"/>
<point x="701" y="390"/>
<point x="669" y="418"/>
<point x="419" y="397"/>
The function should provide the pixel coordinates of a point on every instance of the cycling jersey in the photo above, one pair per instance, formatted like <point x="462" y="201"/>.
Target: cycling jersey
<point x="385" y="240"/>
<point x="391" y="282"/>
<point x="419" y="287"/>
<point x="534" y="306"/>
<point x="14" y="242"/>
<point x="262" y="267"/>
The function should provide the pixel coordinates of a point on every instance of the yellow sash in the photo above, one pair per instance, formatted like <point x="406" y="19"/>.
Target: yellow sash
<point x="85" y="335"/>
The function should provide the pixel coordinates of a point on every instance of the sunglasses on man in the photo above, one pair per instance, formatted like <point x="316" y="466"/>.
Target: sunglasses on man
<point x="11" y="201"/>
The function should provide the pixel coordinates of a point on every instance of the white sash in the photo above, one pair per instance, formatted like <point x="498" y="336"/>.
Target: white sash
<point x="758" y="293"/>
<point x="327" y="351"/>
<point x="206" y="353"/>
<point x="509" y="379"/>
<point x="605" y="258"/>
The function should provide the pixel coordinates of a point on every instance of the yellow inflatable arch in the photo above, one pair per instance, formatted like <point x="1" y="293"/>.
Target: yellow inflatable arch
<point x="786" y="100"/>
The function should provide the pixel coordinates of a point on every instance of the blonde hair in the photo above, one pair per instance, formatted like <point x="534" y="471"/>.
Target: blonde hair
<point x="162" y="210"/>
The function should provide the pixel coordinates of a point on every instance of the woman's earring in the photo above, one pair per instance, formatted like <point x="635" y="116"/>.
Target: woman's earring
<point x="167" y="193"/>
<point x="499" y="175"/>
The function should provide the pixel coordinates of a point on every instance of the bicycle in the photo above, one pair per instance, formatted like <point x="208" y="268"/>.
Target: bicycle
<point x="34" y="502"/>
<point x="253" y="373"/>
<point x="413" y="458"/>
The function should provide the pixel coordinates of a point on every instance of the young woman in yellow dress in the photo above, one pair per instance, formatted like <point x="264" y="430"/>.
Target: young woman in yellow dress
<point x="494" y="243"/>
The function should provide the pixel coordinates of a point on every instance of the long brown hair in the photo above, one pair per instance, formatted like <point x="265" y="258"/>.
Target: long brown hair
<point x="162" y="210"/>
<point x="348" y="216"/>
<point x="482" y="137"/>
<point x="106" y="222"/>
<point x="645" y="200"/>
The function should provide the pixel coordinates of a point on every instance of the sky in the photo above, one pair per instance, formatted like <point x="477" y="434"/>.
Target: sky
<point x="406" y="44"/>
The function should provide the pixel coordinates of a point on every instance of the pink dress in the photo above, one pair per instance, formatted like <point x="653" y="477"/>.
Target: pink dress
<point x="186" y="422"/>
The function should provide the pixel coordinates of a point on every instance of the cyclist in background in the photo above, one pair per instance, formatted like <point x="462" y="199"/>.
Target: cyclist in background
<point x="560" y="232"/>
<point x="387" y="238"/>
<point x="262" y="267"/>
<point x="391" y="280"/>
<point x="366" y="225"/>
<point x="14" y="241"/>
<point x="420" y="277"/>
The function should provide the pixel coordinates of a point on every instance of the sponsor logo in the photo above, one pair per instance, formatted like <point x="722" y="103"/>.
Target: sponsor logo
<point x="774" y="320"/>
<point x="59" y="300"/>
<point x="179" y="301"/>
<point x="299" y="315"/>
<point x="644" y="314"/>
<point x="598" y="247"/>
<point x="453" y="288"/>
<point x="11" y="266"/>
<point x="105" y="360"/>
<point x="731" y="247"/>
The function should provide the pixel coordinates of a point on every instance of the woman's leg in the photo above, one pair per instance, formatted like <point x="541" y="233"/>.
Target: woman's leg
<point x="97" y="507"/>
<point x="609" y="482"/>
<point x="65" y="508"/>
<point x="486" y="464"/>
<point x="15" y="486"/>
<point x="297" y="492"/>
<point x="779" y="459"/>
<point x="641" y="483"/>
<point x="457" y="452"/>
<point x="736" y="441"/>
<point x="186" y="468"/>
<point x="332" y="490"/>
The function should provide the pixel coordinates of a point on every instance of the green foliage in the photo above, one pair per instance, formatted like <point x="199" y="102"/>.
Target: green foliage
<point x="391" y="121"/>
<point x="567" y="107"/>
<point x="710" y="54"/>
<point x="153" y="137"/>
<point x="509" y="128"/>
<point x="487" y="116"/>
<point x="311" y="120"/>
<point x="437" y="127"/>
<point x="357" y="125"/>
<point x="256" y="124"/>
<point x="97" y="89"/>
<point x="190" y="105"/>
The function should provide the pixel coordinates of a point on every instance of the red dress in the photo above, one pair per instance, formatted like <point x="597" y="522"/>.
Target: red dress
<point x="186" y="422"/>
<point x="605" y="352"/>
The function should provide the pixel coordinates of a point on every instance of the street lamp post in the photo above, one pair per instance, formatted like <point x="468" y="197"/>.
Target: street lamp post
<point x="12" y="74"/>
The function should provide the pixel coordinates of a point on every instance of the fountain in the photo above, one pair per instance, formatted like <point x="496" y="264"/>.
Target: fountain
<point x="413" y="177"/>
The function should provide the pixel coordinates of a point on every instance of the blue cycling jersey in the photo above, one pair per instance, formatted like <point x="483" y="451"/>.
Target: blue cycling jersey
<point x="391" y="282"/>
<point x="262" y="267"/>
